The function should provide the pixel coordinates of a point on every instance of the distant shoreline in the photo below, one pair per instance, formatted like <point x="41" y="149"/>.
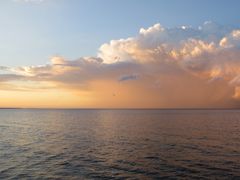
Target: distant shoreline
<point x="13" y="108"/>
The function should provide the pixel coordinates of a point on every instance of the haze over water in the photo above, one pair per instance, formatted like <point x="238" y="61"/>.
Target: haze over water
<point x="119" y="144"/>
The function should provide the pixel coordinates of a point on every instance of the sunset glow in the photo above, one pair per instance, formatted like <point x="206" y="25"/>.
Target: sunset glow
<point x="158" y="67"/>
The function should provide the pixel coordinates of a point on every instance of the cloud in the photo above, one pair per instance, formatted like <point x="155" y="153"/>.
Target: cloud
<point x="128" y="77"/>
<point x="231" y="40"/>
<point x="179" y="67"/>
<point x="157" y="43"/>
<point x="9" y="77"/>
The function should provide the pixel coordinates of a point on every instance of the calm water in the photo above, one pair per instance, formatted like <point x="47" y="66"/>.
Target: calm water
<point x="119" y="144"/>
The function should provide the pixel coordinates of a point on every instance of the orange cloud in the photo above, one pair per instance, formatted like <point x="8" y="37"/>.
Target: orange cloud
<point x="160" y="67"/>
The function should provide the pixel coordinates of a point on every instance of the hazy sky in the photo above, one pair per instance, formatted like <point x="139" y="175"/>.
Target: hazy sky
<point x="128" y="53"/>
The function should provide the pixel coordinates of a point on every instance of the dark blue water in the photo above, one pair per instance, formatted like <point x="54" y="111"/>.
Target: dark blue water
<point x="119" y="144"/>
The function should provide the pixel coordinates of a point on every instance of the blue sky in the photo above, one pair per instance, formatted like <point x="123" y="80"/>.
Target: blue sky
<point x="75" y="53"/>
<point x="32" y="32"/>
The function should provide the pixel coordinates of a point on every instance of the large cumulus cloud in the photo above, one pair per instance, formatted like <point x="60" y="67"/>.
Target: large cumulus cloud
<point x="159" y="67"/>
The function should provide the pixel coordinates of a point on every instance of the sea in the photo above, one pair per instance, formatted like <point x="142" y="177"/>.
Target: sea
<point x="119" y="144"/>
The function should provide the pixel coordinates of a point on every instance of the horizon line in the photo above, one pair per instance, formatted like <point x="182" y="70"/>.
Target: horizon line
<point x="49" y="108"/>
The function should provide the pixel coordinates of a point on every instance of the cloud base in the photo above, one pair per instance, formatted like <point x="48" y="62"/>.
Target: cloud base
<point x="160" y="67"/>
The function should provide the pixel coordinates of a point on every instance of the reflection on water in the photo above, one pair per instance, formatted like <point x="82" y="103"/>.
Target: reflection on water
<point x="134" y="144"/>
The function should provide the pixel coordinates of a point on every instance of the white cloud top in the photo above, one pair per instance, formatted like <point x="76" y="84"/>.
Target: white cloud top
<point x="185" y="65"/>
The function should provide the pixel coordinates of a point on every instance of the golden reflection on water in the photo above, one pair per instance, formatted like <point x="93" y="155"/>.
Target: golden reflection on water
<point x="68" y="144"/>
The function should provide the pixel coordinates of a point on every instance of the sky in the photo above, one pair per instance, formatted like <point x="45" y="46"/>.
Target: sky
<point x="119" y="54"/>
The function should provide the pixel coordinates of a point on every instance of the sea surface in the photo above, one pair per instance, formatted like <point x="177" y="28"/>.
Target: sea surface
<point x="119" y="144"/>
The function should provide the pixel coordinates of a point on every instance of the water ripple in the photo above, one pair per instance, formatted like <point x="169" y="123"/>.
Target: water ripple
<point x="119" y="144"/>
